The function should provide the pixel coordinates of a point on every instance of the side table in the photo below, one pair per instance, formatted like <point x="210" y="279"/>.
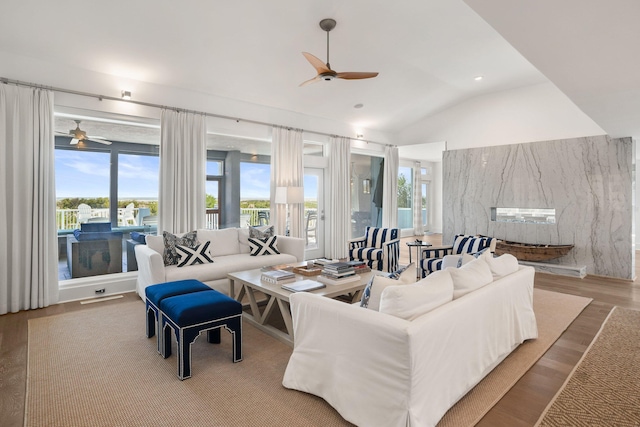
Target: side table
<point x="418" y="244"/>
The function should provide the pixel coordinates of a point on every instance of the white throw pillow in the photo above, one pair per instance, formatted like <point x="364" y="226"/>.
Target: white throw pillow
<point x="456" y="261"/>
<point x="411" y="301"/>
<point x="372" y="293"/>
<point x="470" y="277"/>
<point x="502" y="265"/>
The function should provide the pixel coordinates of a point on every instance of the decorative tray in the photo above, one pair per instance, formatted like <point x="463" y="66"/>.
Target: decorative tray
<point x="305" y="271"/>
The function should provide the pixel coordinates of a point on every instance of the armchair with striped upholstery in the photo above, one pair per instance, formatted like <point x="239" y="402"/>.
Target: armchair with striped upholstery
<point x="379" y="248"/>
<point x="431" y="258"/>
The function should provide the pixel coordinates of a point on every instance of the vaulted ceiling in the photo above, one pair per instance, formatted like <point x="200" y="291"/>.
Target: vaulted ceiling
<point x="428" y="53"/>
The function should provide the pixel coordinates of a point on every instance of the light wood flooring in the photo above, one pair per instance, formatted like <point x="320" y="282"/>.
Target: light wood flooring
<point x="521" y="406"/>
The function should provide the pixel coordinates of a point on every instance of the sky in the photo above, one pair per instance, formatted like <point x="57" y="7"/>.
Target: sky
<point x="86" y="174"/>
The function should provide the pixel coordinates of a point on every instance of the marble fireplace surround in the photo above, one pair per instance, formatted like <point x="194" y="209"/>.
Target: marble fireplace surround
<point x="588" y="181"/>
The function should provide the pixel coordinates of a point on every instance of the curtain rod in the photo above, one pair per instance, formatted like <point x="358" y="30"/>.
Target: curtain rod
<point x="6" y="80"/>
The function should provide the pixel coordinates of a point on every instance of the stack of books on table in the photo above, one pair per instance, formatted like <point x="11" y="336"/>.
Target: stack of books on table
<point x="278" y="277"/>
<point x="359" y="266"/>
<point x="338" y="273"/>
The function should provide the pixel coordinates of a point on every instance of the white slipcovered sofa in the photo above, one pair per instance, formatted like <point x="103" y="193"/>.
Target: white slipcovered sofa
<point x="229" y="249"/>
<point x="378" y="369"/>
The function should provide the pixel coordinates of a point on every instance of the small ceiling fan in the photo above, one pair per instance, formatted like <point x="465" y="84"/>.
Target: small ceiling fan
<point x="324" y="70"/>
<point x="80" y="135"/>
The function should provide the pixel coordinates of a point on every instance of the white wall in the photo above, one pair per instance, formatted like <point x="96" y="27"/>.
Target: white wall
<point x="533" y="113"/>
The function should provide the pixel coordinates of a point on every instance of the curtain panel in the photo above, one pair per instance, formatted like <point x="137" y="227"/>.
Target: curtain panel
<point x="183" y="156"/>
<point x="418" y="228"/>
<point x="29" y="246"/>
<point x="287" y="170"/>
<point x="390" y="190"/>
<point x="339" y="203"/>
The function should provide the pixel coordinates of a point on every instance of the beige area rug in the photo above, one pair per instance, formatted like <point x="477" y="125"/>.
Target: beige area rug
<point x="95" y="368"/>
<point x="604" y="387"/>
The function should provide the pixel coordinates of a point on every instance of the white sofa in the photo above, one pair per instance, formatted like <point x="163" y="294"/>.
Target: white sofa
<point x="230" y="252"/>
<point x="377" y="369"/>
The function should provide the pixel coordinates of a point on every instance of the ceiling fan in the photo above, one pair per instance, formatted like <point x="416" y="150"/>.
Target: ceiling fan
<point x="324" y="70"/>
<point x="80" y="135"/>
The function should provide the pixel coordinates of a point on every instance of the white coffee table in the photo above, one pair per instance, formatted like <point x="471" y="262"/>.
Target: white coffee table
<point x="249" y="283"/>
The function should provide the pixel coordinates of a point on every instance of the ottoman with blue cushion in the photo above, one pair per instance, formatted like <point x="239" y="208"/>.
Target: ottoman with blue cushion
<point x="156" y="293"/>
<point x="189" y="314"/>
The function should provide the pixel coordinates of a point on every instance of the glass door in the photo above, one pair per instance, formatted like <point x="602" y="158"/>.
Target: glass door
<point x="313" y="213"/>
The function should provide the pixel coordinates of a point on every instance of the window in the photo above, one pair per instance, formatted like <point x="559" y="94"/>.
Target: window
<point x="212" y="190"/>
<point x="82" y="177"/>
<point x="138" y="184"/>
<point x="255" y="193"/>
<point x="405" y="197"/>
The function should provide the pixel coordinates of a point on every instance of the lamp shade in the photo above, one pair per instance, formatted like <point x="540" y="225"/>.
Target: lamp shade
<point x="289" y="195"/>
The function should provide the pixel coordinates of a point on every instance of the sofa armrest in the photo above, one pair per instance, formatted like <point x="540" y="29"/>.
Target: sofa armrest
<point x="436" y="251"/>
<point x="357" y="242"/>
<point x="343" y="352"/>
<point x="391" y="254"/>
<point x="292" y="246"/>
<point x="150" y="268"/>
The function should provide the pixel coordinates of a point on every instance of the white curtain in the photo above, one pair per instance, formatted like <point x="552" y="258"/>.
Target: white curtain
<point x="339" y="200"/>
<point x="418" y="229"/>
<point x="29" y="243"/>
<point x="287" y="170"/>
<point x="183" y="156"/>
<point x="390" y="190"/>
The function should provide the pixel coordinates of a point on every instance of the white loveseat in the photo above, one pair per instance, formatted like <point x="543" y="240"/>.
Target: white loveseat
<point x="230" y="252"/>
<point x="378" y="369"/>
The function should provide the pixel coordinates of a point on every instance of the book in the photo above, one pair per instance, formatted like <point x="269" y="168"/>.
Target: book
<point x="338" y="275"/>
<point x="278" y="276"/>
<point x="330" y="281"/>
<point x="283" y="267"/>
<point x="338" y="266"/>
<point x="324" y="261"/>
<point x="303" y="286"/>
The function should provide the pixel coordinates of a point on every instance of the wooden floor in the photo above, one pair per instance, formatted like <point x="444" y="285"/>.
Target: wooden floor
<point x="522" y="405"/>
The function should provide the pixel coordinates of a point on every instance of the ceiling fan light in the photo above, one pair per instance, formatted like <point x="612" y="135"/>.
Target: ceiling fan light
<point x="126" y="95"/>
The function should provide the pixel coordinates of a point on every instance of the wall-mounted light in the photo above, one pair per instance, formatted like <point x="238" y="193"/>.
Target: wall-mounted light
<point x="359" y="136"/>
<point x="126" y="94"/>
<point x="366" y="186"/>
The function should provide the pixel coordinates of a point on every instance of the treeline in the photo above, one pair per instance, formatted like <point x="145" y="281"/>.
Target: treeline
<point x="103" y="203"/>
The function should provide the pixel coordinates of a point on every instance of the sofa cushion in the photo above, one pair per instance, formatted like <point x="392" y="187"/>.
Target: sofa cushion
<point x="223" y="242"/>
<point x="502" y="265"/>
<point x="268" y="246"/>
<point x="413" y="300"/>
<point x="191" y="256"/>
<point x="243" y="240"/>
<point x="377" y="284"/>
<point x="470" y="277"/>
<point x="222" y="266"/>
<point x="262" y="232"/>
<point x="170" y="254"/>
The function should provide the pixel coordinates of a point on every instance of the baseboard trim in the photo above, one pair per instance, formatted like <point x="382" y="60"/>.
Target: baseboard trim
<point x="97" y="286"/>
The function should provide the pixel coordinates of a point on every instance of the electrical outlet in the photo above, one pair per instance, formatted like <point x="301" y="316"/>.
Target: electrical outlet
<point x="100" y="291"/>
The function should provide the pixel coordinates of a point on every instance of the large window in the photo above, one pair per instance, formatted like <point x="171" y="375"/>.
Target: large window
<point x="82" y="178"/>
<point x="212" y="190"/>
<point x="255" y="193"/>
<point x="405" y="197"/>
<point x="138" y="186"/>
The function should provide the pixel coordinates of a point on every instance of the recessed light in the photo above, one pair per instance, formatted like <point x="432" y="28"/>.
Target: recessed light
<point x="358" y="106"/>
<point x="477" y="78"/>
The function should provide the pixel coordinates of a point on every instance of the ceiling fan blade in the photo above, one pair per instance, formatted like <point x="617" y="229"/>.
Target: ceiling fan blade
<point x="99" y="141"/>
<point x="355" y="75"/>
<point x="317" y="63"/>
<point x="74" y="141"/>
<point x="313" y="80"/>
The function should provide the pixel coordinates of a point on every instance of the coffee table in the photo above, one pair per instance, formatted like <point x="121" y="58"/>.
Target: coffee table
<point x="249" y="284"/>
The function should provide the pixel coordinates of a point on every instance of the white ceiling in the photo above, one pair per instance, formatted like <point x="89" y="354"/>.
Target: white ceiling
<point x="426" y="51"/>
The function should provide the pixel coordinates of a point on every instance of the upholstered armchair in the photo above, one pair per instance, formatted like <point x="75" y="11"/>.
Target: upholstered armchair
<point x="379" y="248"/>
<point x="432" y="258"/>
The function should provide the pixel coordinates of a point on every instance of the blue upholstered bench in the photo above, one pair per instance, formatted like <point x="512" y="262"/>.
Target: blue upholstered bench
<point x="190" y="314"/>
<point x="156" y="293"/>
